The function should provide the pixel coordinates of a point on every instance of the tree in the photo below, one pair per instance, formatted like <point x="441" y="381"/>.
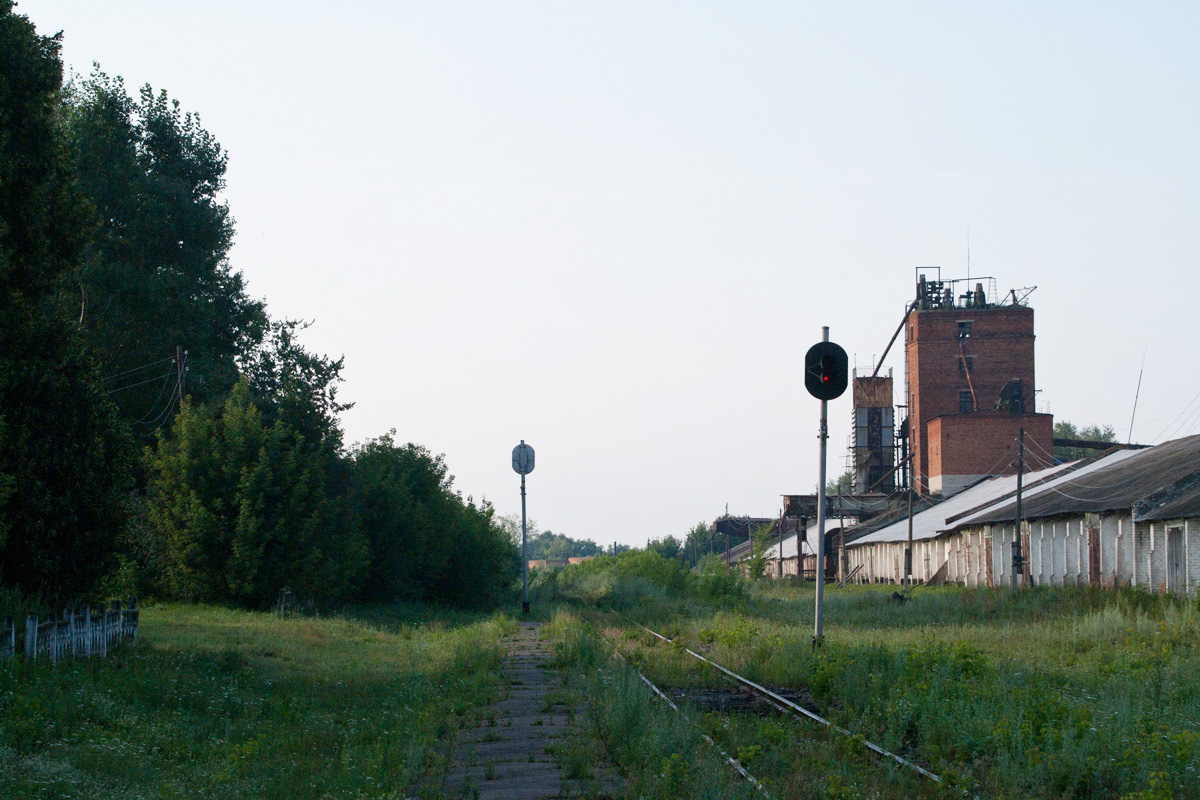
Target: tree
<point x="760" y="542"/>
<point x="242" y="508"/>
<point x="64" y="460"/>
<point x="424" y="541"/>
<point x="667" y="547"/>
<point x="698" y="542"/>
<point x="155" y="273"/>
<point x="1090" y="433"/>
<point x="294" y="385"/>
<point x="557" y="546"/>
<point x="844" y="482"/>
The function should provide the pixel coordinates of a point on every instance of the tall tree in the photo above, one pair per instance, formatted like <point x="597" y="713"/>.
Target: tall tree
<point x="294" y="385"/>
<point x="63" y="459"/>
<point x="425" y="542"/>
<point x="156" y="274"/>
<point x="242" y="508"/>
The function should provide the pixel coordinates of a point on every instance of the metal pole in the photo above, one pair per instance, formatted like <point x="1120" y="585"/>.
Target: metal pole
<point x="524" y="555"/>
<point x="779" y="561"/>
<point x="908" y="549"/>
<point x="1018" y="561"/>
<point x="841" y="533"/>
<point x="823" y="435"/>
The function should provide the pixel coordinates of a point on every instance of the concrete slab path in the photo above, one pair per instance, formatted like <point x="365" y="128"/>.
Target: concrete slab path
<point x="514" y="753"/>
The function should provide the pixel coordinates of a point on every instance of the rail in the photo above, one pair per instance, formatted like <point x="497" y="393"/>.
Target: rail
<point x="787" y="706"/>
<point x="733" y="762"/>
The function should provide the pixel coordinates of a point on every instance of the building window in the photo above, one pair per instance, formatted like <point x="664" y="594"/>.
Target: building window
<point x="965" y="403"/>
<point x="964" y="328"/>
<point x="970" y="365"/>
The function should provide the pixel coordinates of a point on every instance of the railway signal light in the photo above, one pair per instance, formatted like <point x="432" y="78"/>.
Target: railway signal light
<point x="825" y="373"/>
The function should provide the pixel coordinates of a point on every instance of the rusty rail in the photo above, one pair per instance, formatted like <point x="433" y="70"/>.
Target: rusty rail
<point x="788" y="707"/>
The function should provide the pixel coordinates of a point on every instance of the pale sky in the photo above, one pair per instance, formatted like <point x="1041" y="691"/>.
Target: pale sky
<point x="612" y="229"/>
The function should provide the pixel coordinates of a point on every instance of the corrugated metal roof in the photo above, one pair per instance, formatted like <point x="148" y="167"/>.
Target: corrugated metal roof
<point x="1180" y="499"/>
<point x="1116" y="481"/>
<point x="789" y="548"/>
<point x="929" y="523"/>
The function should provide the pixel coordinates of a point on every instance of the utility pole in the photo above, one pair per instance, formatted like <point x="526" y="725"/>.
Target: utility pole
<point x="179" y="371"/>
<point x="1018" y="561"/>
<point x="908" y="547"/>
<point x="841" y="533"/>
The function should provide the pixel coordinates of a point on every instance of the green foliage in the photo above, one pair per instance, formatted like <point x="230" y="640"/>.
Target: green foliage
<point x="668" y="547"/>
<point x="760" y="542"/>
<point x="295" y="386"/>
<point x="632" y="577"/>
<point x="716" y="581"/>
<point x="44" y="219"/>
<point x="843" y="483"/>
<point x="559" y="547"/>
<point x="114" y="244"/>
<point x="242" y="508"/>
<point x="63" y="454"/>
<point x="424" y="541"/>
<point x="660" y="753"/>
<point x="1048" y="693"/>
<point x="698" y="542"/>
<point x="215" y="702"/>
<point x="155" y="273"/>
<point x="1091" y="433"/>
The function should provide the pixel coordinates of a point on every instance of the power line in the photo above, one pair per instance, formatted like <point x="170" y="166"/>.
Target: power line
<point x="138" y="369"/>
<point x="139" y="383"/>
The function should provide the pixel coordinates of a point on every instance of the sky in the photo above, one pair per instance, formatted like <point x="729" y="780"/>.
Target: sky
<point x="612" y="229"/>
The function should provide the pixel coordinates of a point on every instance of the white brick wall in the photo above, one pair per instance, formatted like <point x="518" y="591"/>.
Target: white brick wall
<point x="1141" y="554"/>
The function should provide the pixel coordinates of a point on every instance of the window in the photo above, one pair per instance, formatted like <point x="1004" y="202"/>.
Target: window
<point x="965" y="403"/>
<point x="970" y="365"/>
<point x="964" y="328"/>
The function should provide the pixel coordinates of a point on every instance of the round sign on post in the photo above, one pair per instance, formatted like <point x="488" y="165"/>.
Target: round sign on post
<point x="523" y="465"/>
<point x="523" y="459"/>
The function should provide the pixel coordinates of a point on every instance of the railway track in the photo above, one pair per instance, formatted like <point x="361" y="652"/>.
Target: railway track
<point x="785" y="706"/>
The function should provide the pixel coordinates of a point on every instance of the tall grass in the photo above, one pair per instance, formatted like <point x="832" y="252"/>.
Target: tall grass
<point x="1050" y="692"/>
<point x="1053" y="694"/>
<point x="660" y="755"/>
<point x="214" y="702"/>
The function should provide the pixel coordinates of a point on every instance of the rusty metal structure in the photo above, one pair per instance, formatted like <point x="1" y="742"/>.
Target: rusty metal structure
<point x="874" y="434"/>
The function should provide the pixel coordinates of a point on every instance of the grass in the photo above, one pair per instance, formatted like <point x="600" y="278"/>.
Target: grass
<point x="1065" y="692"/>
<point x="214" y="702"/>
<point x="660" y="755"/>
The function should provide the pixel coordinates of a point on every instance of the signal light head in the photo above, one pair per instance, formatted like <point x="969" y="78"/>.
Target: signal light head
<point x="825" y="370"/>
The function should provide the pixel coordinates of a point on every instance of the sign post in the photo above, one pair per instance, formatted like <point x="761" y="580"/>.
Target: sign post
<point x="825" y="379"/>
<point x="523" y="465"/>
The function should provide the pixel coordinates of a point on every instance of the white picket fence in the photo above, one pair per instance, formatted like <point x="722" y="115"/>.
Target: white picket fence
<point x="83" y="634"/>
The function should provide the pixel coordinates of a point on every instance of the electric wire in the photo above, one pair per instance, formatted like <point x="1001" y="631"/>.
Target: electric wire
<point x="138" y="369"/>
<point x="154" y="405"/>
<point x="1075" y="482"/>
<point x="162" y="417"/>
<point x="139" y="383"/>
<point x="1176" y="418"/>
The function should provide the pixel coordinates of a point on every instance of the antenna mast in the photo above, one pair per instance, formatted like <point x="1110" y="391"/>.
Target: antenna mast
<point x="1129" y="439"/>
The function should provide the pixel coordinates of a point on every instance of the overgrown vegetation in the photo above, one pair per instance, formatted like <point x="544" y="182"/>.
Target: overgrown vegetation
<point x="1050" y="692"/>
<point x="224" y="703"/>
<point x="660" y="755"/>
<point x="215" y="471"/>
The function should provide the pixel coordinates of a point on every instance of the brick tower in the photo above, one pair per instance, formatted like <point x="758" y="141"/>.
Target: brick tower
<point x="969" y="376"/>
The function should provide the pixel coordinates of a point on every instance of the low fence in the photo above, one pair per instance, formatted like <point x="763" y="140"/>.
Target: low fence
<point x="86" y="633"/>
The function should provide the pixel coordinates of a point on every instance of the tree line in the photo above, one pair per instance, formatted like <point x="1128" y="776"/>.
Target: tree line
<point x="215" y="472"/>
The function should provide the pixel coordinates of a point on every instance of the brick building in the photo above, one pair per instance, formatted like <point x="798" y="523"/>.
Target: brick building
<point x="969" y="371"/>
